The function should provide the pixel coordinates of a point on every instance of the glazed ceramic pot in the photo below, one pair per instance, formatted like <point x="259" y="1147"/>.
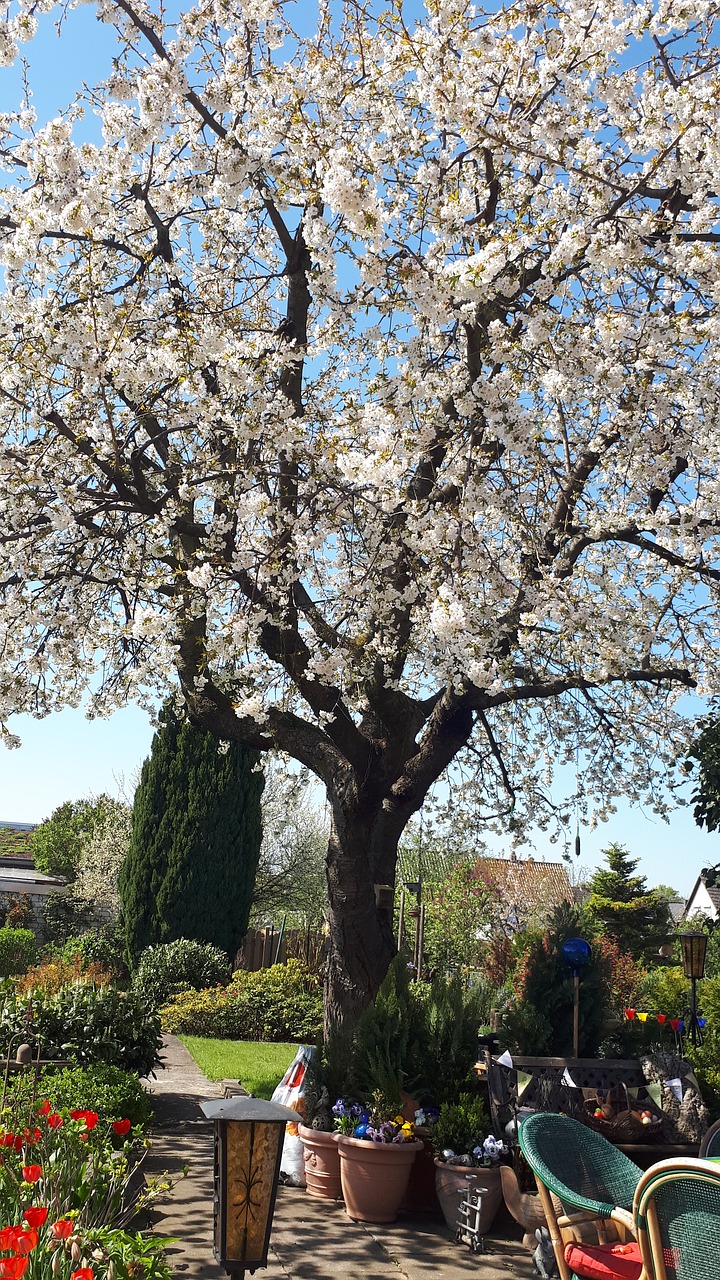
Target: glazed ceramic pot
<point x="322" y="1163"/>
<point x="451" y="1181"/>
<point x="374" y="1177"/>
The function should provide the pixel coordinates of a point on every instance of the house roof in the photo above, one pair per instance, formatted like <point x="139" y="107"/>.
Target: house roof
<point x="542" y="884"/>
<point x="16" y="844"/>
<point x="711" y="892"/>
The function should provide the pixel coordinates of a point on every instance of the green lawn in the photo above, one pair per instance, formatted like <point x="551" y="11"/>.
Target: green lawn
<point x="258" y="1066"/>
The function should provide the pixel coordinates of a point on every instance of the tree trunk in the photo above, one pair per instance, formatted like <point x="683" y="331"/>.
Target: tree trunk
<point x="362" y="942"/>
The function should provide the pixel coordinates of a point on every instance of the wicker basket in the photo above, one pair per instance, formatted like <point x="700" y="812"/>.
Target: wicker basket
<point x="622" y="1115"/>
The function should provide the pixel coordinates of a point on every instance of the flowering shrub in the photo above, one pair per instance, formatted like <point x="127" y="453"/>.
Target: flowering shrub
<point x="356" y="1121"/>
<point x="280" y="1003"/>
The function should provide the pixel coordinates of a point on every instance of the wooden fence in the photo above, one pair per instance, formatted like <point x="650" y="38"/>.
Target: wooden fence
<point x="262" y="948"/>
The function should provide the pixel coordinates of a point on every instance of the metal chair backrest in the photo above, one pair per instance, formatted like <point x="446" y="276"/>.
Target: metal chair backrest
<point x="710" y="1145"/>
<point x="580" y="1166"/>
<point x="677" y="1219"/>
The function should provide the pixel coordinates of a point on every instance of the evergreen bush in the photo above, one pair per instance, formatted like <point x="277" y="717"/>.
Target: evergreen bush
<point x="18" y="950"/>
<point x="87" y="1025"/>
<point x="280" y="1003"/>
<point x="176" y="966"/>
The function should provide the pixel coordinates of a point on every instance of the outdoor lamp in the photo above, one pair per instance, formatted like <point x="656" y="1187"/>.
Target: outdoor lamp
<point x="694" y="946"/>
<point x="249" y="1134"/>
<point x="576" y="952"/>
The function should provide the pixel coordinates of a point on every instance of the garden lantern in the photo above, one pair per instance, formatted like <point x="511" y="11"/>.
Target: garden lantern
<point x="249" y="1134"/>
<point x="694" y="946"/>
<point x="576" y="952"/>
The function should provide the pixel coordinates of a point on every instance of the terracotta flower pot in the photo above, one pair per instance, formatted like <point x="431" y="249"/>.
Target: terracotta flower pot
<point x="322" y="1163"/>
<point x="374" y="1177"/>
<point x="451" y="1179"/>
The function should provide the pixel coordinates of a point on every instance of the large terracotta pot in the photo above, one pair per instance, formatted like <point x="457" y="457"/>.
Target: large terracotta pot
<point x="451" y="1179"/>
<point x="374" y="1177"/>
<point x="322" y="1163"/>
<point x="421" y="1196"/>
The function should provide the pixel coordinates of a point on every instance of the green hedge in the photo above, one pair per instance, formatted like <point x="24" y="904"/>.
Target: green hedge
<point x="280" y="1003"/>
<point x="171" y="967"/>
<point x="86" y="1024"/>
<point x="18" y="950"/>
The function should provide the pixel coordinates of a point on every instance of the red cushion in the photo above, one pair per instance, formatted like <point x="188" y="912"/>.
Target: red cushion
<point x="605" y="1261"/>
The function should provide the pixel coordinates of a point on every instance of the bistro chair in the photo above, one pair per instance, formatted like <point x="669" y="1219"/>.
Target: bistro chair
<point x="585" y="1185"/>
<point x="710" y="1145"/>
<point x="677" y="1215"/>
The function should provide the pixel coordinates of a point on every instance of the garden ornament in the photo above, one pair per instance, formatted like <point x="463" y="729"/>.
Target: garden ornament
<point x="543" y="1257"/>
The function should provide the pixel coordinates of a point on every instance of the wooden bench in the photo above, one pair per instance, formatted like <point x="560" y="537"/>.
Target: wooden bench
<point x="565" y="1084"/>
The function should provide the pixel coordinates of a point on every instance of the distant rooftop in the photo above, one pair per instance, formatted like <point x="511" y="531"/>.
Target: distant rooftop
<point x="15" y="842"/>
<point x="526" y="880"/>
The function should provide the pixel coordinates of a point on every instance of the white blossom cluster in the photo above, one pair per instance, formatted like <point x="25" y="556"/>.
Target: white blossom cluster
<point x="368" y="380"/>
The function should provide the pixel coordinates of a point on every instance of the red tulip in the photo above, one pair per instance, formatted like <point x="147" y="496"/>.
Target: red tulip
<point x="121" y="1127"/>
<point x="26" y="1239"/>
<point x="14" y="1268"/>
<point x="32" y="1135"/>
<point x="90" y="1117"/>
<point x="63" y="1228"/>
<point x="85" y="1273"/>
<point x="44" y="1109"/>
<point x="7" y="1238"/>
<point x="32" y="1172"/>
<point x="9" y="1140"/>
<point x="36" y="1215"/>
<point x="55" y="1120"/>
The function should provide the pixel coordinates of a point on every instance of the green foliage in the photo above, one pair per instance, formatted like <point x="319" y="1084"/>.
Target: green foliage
<point x="462" y="1125"/>
<point x="283" y="1002"/>
<point x="450" y="1016"/>
<point x="665" y="990"/>
<point x="176" y="966"/>
<point x="387" y="1040"/>
<point x="104" y="946"/>
<point x="59" y="841"/>
<point x="634" y="917"/>
<point x="195" y="841"/>
<point x="705" y="753"/>
<point x="540" y="1019"/>
<point x="107" y="1089"/>
<point x="258" y="1067"/>
<point x="86" y="1024"/>
<point x="18" y="950"/>
<point x="65" y="915"/>
<point x="419" y="1038"/>
<point x="459" y="912"/>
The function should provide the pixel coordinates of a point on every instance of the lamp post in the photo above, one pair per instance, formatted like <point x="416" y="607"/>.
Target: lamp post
<point x="249" y="1134"/>
<point x="576" y="952"/>
<point x="694" y="946"/>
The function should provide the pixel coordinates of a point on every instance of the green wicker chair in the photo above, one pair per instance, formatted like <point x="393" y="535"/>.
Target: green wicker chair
<point x="594" y="1183"/>
<point x="677" y="1214"/>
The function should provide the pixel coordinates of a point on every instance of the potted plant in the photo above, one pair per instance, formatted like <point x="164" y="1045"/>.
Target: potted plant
<point x="465" y="1148"/>
<point x="377" y="1149"/>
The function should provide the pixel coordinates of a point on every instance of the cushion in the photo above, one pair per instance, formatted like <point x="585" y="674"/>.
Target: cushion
<point x="605" y="1261"/>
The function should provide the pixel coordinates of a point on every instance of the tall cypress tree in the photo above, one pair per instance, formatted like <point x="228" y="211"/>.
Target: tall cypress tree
<point x="195" y="843"/>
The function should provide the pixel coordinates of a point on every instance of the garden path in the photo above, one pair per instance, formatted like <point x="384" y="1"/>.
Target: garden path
<point x="311" y="1239"/>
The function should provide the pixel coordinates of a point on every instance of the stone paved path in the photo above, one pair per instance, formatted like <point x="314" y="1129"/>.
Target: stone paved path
<point x="311" y="1239"/>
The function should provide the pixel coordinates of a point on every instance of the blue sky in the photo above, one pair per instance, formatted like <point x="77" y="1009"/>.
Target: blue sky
<point x="66" y="757"/>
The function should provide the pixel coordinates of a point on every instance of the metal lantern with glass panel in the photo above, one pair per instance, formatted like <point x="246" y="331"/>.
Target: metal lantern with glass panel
<point x="249" y="1134"/>
<point x="694" y="946"/>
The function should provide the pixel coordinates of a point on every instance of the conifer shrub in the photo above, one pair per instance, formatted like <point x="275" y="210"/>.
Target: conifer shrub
<point x="195" y="843"/>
